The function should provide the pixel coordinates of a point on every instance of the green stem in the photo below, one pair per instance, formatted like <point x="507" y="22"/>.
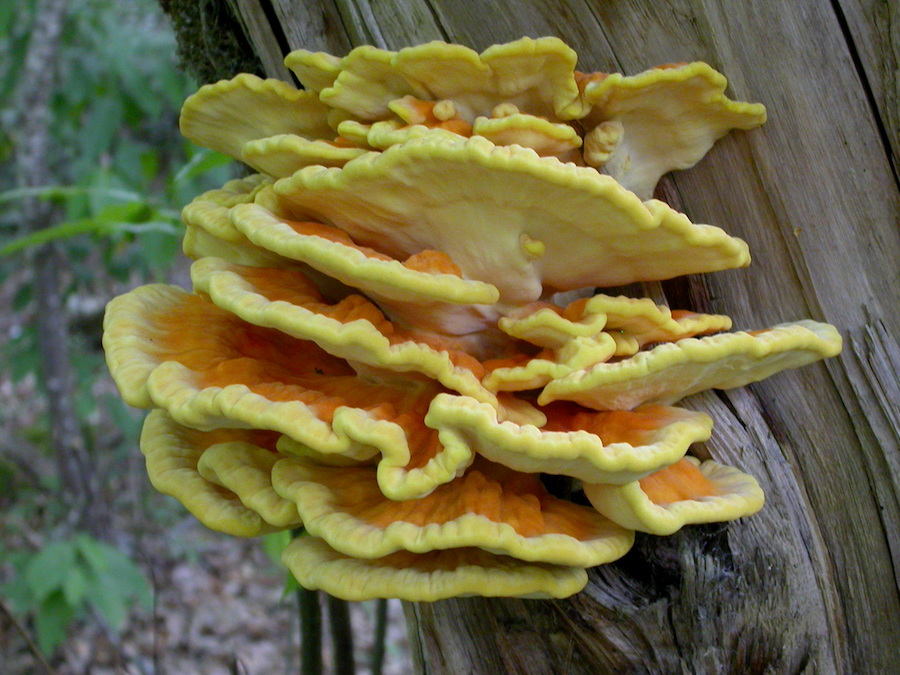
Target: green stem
<point x="377" y="657"/>
<point x="341" y="636"/>
<point x="310" y="632"/>
<point x="310" y="625"/>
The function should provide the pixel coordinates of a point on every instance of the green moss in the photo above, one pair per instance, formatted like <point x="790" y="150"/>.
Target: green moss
<point x="211" y="41"/>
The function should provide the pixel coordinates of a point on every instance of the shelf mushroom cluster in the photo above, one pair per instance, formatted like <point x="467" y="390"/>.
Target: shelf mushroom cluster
<point x="374" y="348"/>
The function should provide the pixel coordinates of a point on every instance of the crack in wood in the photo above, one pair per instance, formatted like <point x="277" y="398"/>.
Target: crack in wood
<point x="871" y="100"/>
<point x="438" y="22"/>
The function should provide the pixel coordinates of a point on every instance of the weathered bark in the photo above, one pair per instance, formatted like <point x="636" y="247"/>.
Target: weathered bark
<point x="809" y="584"/>
<point x="33" y="154"/>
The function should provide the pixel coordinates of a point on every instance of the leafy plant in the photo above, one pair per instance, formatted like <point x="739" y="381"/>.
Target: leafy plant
<point x="121" y="170"/>
<point x="118" y="213"/>
<point x="63" y="580"/>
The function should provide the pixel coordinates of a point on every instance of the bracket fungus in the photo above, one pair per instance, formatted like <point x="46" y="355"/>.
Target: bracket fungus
<point x="374" y="347"/>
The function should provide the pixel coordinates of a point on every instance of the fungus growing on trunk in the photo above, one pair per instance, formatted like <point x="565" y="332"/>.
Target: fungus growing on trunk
<point x="373" y="346"/>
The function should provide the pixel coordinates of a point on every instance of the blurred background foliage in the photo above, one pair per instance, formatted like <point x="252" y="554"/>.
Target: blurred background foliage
<point x="118" y="173"/>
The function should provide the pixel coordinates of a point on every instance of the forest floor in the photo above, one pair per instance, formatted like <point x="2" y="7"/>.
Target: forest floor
<point x="220" y="610"/>
<point x="219" y="607"/>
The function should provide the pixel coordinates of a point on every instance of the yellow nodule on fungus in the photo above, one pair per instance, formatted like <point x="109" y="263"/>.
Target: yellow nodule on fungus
<point x="665" y="119"/>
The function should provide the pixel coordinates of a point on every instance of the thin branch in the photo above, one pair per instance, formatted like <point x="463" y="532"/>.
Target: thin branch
<point x="33" y="648"/>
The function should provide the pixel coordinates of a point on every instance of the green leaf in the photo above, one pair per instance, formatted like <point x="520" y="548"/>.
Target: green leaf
<point x="102" y="125"/>
<point x="275" y="543"/>
<point x="291" y="586"/>
<point x="174" y="85"/>
<point x="51" y="621"/>
<point x="102" y="180"/>
<point x="149" y="165"/>
<point x="107" y="221"/>
<point x="145" y="99"/>
<point x="75" y="586"/>
<point x="204" y="160"/>
<point x="18" y="560"/>
<point x="47" y="571"/>
<point x="159" y="249"/>
<point x="129" y="212"/>
<point x="19" y="596"/>
<point x="167" y="227"/>
<point x="128" y="162"/>
<point x="94" y="553"/>
<point x="115" y="582"/>
<point x="111" y="605"/>
<point x="131" y="580"/>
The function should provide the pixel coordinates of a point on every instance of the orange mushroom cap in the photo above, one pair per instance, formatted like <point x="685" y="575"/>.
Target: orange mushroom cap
<point x="426" y="577"/>
<point x="684" y="493"/>
<point x="223" y="477"/>
<point x="490" y="507"/>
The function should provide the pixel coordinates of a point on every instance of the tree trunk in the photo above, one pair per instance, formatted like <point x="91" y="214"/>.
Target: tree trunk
<point x="34" y="153"/>
<point x="810" y="583"/>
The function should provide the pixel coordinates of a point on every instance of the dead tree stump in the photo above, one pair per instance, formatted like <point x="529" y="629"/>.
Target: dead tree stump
<point x="810" y="583"/>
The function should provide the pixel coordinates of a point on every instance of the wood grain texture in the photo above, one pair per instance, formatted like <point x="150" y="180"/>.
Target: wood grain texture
<point x="811" y="583"/>
<point x="872" y="30"/>
<point x="263" y="36"/>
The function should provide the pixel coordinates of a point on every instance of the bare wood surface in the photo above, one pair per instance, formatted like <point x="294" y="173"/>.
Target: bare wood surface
<point x="874" y="35"/>
<point x="811" y="583"/>
<point x="263" y="35"/>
